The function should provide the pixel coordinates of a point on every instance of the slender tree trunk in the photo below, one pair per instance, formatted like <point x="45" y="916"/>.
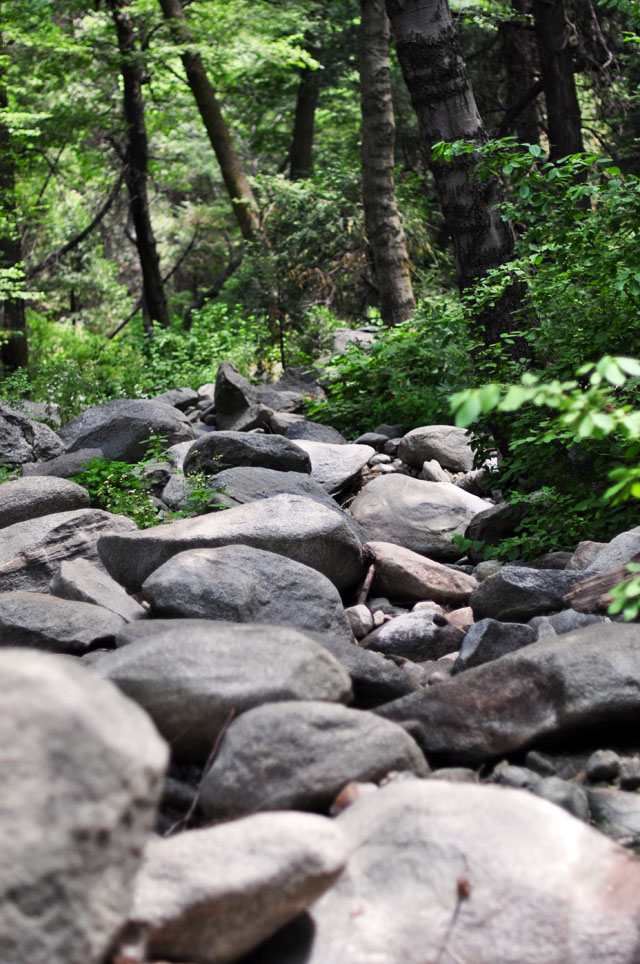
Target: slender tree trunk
<point x="233" y="174"/>
<point x="301" y="155"/>
<point x="519" y="55"/>
<point x="384" y="229"/>
<point x="436" y="76"/>
<point x="13" y="329"/>
<point x="553" y="32"/>
<point x="136" y="165"/>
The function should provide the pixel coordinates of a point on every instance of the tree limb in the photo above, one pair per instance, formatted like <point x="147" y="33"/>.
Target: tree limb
<point x="518" y="107"/>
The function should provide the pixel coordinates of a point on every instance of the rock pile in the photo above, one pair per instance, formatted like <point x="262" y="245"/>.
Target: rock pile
<point x="300" y="729"/>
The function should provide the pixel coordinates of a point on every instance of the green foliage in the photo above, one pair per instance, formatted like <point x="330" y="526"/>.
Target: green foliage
<point x="406" y="377"/>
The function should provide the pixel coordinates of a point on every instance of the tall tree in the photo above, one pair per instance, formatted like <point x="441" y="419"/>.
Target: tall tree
<point x="136" y="162"/>
<point x="436" y="75"/>
<point x="301" y="154"/>
<point x="13" y="330"/>
<point x="564" y="123"/>
<point x="235" y="179"/>
<point x="519" y="55"/>
<point x="384" y="228"/>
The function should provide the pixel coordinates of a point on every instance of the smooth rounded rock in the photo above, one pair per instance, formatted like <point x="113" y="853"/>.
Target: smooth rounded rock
<point x="517" y="594"/>
<point x="23" y="440"/>
<point x="403" y="574"/>
<point x="490" y="639"/>
<point x="334" y="465"/>
<point x="420" y="635"/>
<point x="81" y="581"/>
<point x="446" y="444"/>
<point x="31" y="497"/>
<point x="225" y="450"/>
<point x="56" y="625"/>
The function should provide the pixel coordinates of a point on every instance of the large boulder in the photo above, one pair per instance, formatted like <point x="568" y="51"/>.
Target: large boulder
<point x="82" y="769"/>
<point x="517" y="593"/>
<point x="617" y="552"/>
<point x="288" y="525"/>
<point x="420" y="635"/>
<point x="422" y="516"/>
<point x="334" y="466"/>
<point x="299" y="756"/>
<point x="190" y="675"/>
<point x="445" y="443"/>
<point x="301" y="428"/>
<point x="57" y="625"/>
<point x="31" y="552"/>
<point x="582" y="681"/>
<point x="64" y="466"/>
<point x="29" y="498"/>
<point x="445" y="872"/>
<point x="246" y="585"/>
<point x="22" y="440"/>
<point x="248" y="483"/>
<point x="211" y="895"/>
<point x="225" y="450"/>
<point x="403" y="574"/>
<point x="80" y="580"/>
<point x="490" y="639"/>
<point x="233" y="392"/>
<point x="122" y="428"/>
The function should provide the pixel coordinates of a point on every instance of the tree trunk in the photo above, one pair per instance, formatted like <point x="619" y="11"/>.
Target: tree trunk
<point x="13" y="329"/>
<point x="436" y="76"/>
<point x="519" y="56"/>
<point x="235" y="179"/>
<point x="301" y="155"/>
<point x="136" y="165"/>
<point x="384" y="229"/>
<point x="553" y="31"/>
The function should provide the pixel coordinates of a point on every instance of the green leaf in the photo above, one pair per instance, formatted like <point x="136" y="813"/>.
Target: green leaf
<point x="469" y="410"/>
<point x="630" y="366"/>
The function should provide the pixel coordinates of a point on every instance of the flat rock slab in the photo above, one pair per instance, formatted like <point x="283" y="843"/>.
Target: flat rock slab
<point x="334" y="465"/>
<point x="22" y="440"/>
<point x="212" y="895"/>
<point x="81" y="581"/>
<point x="587" y="678"/>
<point x="31" y="552"/>
<point x="420" y="635"/>
<point x="189" y="675"/>
<point x="81" y="776"/>
<point x="248" y="483"/>
<point x="122" y="428"/>
<point x="516" y="593"/>
<point x="28" y="498"/>
<point x="63" y="466"/>
<point x="225" y="450"/>
<point x="314" y="432"/>
<point x="403" y="574"/>
<point x="246" y="585"/>
<point x="489" y="639"/>
<point x="56" y="625"/>
<point x="299" y="755"/>
<point x="492" y="875"/>
<point x="288" y="525"/>
<point x="422" y="516"/>
<point x="446" y="444"/>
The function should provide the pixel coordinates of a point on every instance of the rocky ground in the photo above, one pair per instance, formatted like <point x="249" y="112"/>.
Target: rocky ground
<point x="302" y="729"/>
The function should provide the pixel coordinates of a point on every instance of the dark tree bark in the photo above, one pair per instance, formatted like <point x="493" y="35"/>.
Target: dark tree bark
<point x="519" y="55"/>
<point x="301" y="154"/>
<point x="553" y="32"/>
<point x="436" y="75"/>
<point x="233" y="174"/>
<point x="13" y="329"/>
<point x="136" y="161"/>
<point x="384" y="228"/>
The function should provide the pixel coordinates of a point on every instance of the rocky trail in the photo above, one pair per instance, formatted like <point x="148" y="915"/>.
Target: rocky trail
<point x="301" y="729"/>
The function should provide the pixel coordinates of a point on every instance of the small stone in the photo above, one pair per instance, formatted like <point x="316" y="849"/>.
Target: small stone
<point x="361" y="620"/>
<point x="569" y="796"/>
<point x="630" y="773"/>
<point x="603" y="766"/>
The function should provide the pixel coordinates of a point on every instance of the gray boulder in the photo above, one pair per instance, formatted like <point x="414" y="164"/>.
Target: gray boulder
<point x="31" y="552"/>
<point x="446" y="444"/>
<point x="288" y="525"/>
<point x="225" y="450"/>
<point x="254" y="416"/>
<point x="364" y="337"/>
<point x="190" y="675"/>
<point x="29" y="498"/>
<point x="122" y="427"/>
<point x="181" y="398"/>
<point x="57" y="625"/>
<point x="248" y="483"/>
<point x="82" y="769"/>
<point x="422" y="516"/>
<point x="246" y="585"/>
<point x="563" y="622"/>
<point x="280" y="398"/>
<point x="419" y="636"/>
<point x="616" y="552"/>
<point x="82" y="581"/>
<point x="299" y="755"/>
<point x="233" y="392"/>
<point x="22" y="440"/>
<point x="314" y="432"/>
<point x="452" y="872"/>
<point x="63" y="466"/>
<point x="584" y="554"/>
<point x="617" y="814"/>
<point x="211" y="895"/>
<point x="403" y="574"/>
<point x="582" y="680"/>
<point x="489" y="639"/>
<point x="517" y="594"/>
<point x="334" y="466"/>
